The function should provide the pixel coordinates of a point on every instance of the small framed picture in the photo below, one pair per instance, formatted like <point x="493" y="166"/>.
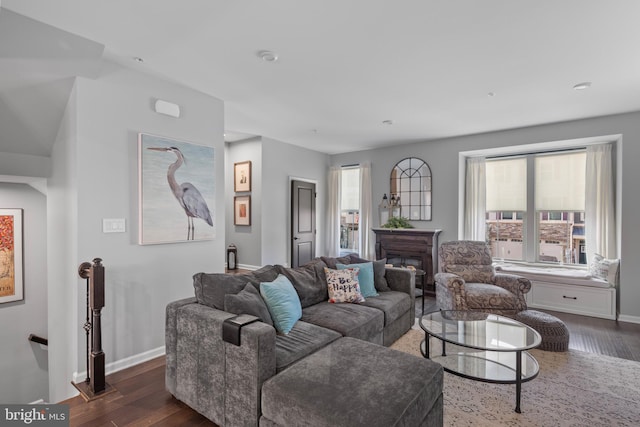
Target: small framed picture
<point x="242" y="176"/>
<point x="242" y="210"/>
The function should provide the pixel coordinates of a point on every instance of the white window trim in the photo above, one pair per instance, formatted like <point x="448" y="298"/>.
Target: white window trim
<point x="616" y="139"/>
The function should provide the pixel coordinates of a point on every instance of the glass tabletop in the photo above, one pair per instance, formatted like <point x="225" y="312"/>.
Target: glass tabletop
<point x="480" y="331"/>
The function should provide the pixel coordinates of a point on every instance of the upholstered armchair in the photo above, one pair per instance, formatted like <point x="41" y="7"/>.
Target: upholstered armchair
<point x="468" y="281"/>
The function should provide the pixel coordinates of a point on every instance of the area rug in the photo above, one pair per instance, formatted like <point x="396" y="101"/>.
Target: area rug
<point x="573" y="388"/>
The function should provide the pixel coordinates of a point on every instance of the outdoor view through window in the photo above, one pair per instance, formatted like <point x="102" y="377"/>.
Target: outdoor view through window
<point x="349" y="209"/>
<point x="554" y="207"/>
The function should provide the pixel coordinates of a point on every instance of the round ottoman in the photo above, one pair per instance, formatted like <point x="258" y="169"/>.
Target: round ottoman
<point x="555" y="335"/>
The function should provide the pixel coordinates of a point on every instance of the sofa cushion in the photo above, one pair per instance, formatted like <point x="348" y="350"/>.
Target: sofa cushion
<point x="308" y="280"/>
<point x="365" y="277"/>
<point x="343" y="285"/>
<point x="350" y="320"/>
<point x="393" y="304"/>
<point x="379" y="270"/>
<point x="303" y="339"/>
<point x="331" y="262"/>
<point x="210" y="288"/>
<point x="283" y="303"/>
<point x="248" y="301"/>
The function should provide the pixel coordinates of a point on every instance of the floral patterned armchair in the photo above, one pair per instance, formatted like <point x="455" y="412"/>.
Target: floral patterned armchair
<point x="468" y="281"/>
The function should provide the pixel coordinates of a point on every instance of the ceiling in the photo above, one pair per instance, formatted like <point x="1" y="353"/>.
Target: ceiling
<point x="346" y="67"/>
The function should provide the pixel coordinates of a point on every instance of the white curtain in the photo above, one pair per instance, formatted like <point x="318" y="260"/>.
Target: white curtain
<point x="333" y="214"/>
<point x="599" y="202"/>
<point x="366" y="219"/>
<point x="475" y="199"/>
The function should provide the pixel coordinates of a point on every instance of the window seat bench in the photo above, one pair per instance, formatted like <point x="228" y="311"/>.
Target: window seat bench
<point x="566" y="290"/>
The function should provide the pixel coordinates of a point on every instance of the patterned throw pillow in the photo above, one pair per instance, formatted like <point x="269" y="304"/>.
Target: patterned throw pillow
<point x="604" y="268"/>
<point x="343" y="285"/>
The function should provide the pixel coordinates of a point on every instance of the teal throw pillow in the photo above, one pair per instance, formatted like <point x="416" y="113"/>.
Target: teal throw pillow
<point x="365" y="278"/>
<point x="283" y="303"/>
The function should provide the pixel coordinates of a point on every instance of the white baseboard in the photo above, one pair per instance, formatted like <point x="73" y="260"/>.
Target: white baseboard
<point x="630" y="319"/>
<point x="125" y="363"/>
<point x="248" y="267"/>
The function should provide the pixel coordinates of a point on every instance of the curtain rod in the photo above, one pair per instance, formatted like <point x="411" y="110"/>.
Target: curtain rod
<point x="350" y="166"/>
<point x="559" y="150"/>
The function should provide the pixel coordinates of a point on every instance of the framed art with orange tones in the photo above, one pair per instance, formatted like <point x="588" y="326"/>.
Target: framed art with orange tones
<point x="242" y="210"/>
<point x="11" y="268"/>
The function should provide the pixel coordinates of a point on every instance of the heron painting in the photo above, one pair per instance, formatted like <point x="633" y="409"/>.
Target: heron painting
<point x="177" y="190"/>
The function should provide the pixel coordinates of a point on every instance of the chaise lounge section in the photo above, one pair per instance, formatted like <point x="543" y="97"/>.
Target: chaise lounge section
<point x="224" y="381"/>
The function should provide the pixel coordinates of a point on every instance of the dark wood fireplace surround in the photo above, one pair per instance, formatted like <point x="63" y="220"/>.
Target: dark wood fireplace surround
<point x="410" y="246"/>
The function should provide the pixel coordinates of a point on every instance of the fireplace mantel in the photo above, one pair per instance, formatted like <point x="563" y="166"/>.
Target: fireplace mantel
<point x="410" y="246"/>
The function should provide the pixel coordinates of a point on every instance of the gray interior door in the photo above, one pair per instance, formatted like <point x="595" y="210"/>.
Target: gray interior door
<point x="303" y="222"/>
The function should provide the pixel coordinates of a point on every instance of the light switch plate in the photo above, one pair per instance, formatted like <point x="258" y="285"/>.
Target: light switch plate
<point x="113" y="225"/>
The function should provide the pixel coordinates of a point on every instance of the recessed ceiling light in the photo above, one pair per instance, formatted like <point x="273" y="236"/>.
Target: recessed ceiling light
<point x="491" y="94"/>
<point x="268" y="56"/>
<point x="138" y="59"/>
<point x="387" y="122"/>
<point x="582" y="86"/>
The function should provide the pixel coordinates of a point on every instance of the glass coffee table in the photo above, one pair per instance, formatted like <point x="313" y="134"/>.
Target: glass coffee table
<point x="483" y="347"/>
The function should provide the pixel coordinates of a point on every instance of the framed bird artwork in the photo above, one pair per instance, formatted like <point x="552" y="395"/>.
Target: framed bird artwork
<point x="176" y="190"/>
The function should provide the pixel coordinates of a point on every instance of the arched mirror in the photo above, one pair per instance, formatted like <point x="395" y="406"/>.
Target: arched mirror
<point x="411" y="186"/>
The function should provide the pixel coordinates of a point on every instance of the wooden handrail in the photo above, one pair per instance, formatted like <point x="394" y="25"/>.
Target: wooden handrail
<point x="39" y="340"/>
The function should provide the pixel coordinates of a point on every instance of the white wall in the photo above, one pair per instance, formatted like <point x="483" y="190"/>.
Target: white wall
<point x="24" y="364"/>
<point x="140" y="280"/>
<point x="62" y="242"/>
<point x="442" y="157"/>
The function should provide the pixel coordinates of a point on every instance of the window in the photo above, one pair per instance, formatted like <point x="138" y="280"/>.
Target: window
<point x="554" y="206"/>
<point x="349" y="209"/>
<point x="506" y="200"/>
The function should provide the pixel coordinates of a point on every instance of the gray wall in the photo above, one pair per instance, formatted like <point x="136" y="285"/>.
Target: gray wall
<point x="23" y="364"/>
<point x="95" y="176"/>
<point x="443" y="158"/>
<point x="274" y="164"/>
<point x="281" y="163"/>
<point x="246" y="238"/>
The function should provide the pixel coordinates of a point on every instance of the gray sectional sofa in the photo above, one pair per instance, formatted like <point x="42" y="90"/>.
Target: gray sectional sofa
<point x="223" y="381"/>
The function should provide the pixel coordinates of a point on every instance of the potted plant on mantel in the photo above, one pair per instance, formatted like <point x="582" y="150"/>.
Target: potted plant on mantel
<point x="397" y="222"/>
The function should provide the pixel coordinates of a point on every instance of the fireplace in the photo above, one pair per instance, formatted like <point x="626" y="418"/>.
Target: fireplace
<point x="405" y="247"/>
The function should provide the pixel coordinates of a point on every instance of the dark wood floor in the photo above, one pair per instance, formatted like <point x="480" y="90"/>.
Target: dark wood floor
<point x="590" y="334"/>
<point x="140" y="398"/>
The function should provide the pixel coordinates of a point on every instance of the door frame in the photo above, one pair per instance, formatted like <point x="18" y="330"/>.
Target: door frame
<point x="289" y="219"/>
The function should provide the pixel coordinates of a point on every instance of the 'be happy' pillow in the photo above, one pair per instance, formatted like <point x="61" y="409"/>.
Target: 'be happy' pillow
<point x="343" y="285"/>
